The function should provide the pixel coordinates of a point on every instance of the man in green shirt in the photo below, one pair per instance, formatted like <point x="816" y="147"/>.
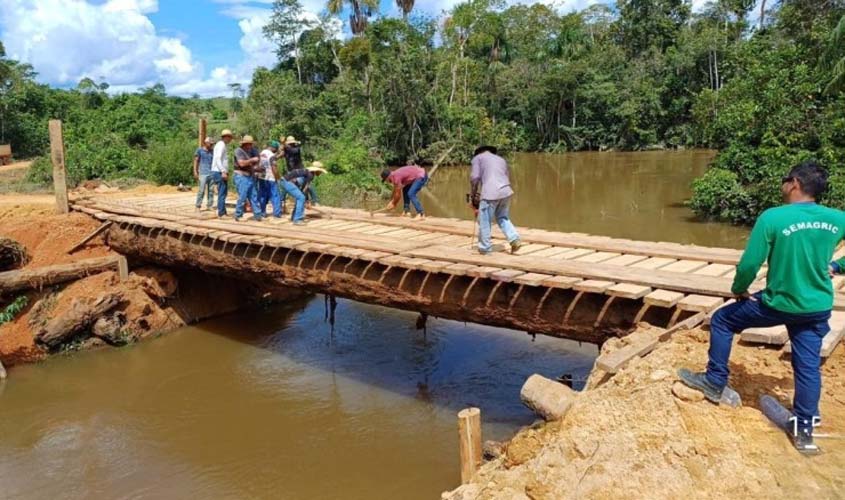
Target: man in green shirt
<point x="797" y="239"/>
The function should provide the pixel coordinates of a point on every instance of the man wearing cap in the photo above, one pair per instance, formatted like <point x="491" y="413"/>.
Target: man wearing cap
<point x="490" y="173"/>
<point x="307" y="174"/>
<point x="269" y="189"/>
<point x="407" y="182"/>
<point x="246" y="164"/>
<point x="220" y="170"/>
<point x="202" y="172"/>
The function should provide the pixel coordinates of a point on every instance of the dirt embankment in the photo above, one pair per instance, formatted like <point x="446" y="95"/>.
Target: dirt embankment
<point x="632" y="438"/>
<point x="149" y="302"/>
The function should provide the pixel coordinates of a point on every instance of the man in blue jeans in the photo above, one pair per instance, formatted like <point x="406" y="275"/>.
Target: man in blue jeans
<point x="798" y="240"/>
<point x="220" y="170"/>
<point x="246" y="167"/>
<point x="490" y="173"/>
<point x="407" y="182"/>
<point x="298" y="194"/>
<point x="203" y="158"/>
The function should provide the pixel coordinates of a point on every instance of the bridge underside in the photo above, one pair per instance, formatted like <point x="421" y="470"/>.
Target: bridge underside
<point x="554" y="311"/>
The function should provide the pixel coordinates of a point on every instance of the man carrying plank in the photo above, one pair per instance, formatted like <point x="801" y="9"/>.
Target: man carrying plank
<point x="798" y="240"/>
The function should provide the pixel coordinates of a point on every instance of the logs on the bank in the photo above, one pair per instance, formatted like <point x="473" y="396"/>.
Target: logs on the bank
<point x="13" y="255"/>
<point x="28" y="279"/>
<point x="549" y="399"/>
<point x="81" y="315"/>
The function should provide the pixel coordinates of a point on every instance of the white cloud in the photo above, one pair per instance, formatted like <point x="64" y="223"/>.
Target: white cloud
<point x="67" y="40"/>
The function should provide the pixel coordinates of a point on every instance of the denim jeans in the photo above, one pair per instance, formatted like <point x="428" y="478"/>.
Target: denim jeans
<point x="247" y="190"/>
<point x="222" y="191"/>
<point x="805" y="333"/>
<point x="269" y="192"/>
<point x="409" y="195"/>
<point x="206" y="182"/>
<point x="297" y="194"/>
<point x="498" y="210"/>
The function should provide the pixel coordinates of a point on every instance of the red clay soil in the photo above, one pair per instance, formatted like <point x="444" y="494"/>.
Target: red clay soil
<point x="49" y="237"/>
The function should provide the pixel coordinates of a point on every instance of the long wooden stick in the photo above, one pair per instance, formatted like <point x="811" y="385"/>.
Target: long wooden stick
<point x="91" y="236"/>
<point x="28" y="279"/>
<point x="437" y="163"/>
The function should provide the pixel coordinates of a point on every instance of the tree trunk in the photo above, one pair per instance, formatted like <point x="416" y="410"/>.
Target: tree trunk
<point x="81" y="315"/>
<point x="28" y="279"/>
<point x="762" y="13"/>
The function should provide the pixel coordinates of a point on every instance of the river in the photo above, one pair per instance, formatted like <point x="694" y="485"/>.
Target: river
<point x="279" y="403"/>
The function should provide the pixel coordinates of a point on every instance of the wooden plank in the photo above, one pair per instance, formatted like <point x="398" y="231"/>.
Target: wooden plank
<point x="834" y="337"/>
<point x="482" y="271"/>
<point x="663" y="298"/>
<point x="597" y="257"/>
<point x="531" y="248"/>
<point x="654" y="263"/>
<point x="628" y="291"/>
<point x="775" y="335"/>
<point x="714" y="270"/>
<point x="458" y="269"/>
<point x="625" y="260"/>
<point x="562" y="282"/>
<point x="687" y="283"/>
<point x="434" y="266"/>
<point x="573" y="253"/>
<point x="531" y="279"/>
<point x="616" y="360"/>
<point x="700" y="303"/>
<point x="593" y="286"/>
<point x="506" y="275"/>
<point x="551" y="252"/>
<point x="373" y="255"/>
<point x="684" y="266"/>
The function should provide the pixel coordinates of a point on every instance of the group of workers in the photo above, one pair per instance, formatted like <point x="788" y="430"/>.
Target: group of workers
<point x="797" y="240"/>
<point x="257" y="178"/>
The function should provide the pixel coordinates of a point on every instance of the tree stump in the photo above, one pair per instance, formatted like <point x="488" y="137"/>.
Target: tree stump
<point x="13" y="255"/>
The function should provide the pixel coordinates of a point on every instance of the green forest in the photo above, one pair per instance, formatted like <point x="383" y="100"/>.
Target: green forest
<point x="765" y="88"/>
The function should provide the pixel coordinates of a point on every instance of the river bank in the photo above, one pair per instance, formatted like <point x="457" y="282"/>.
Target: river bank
<point x="632" y="437"/>
<point x="151" y="301"/>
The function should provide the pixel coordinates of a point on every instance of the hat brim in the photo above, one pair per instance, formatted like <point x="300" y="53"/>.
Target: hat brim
<point x="317" y="170"/>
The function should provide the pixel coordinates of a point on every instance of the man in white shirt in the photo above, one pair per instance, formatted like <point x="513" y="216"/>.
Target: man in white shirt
<point x="268" y="188"/>
<point x="220" y="170"/>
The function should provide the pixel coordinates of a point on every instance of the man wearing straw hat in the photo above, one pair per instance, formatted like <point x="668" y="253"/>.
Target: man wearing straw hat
<point x="202" y="172"/>
<point x="298" y="194"/>
<point x="247" y="164"/>
<point x="220" y="170"/>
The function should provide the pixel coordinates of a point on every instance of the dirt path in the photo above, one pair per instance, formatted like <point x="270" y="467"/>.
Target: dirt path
<point x="632" y="438"/>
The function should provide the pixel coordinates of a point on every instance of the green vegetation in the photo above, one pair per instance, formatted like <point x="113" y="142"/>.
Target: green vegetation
<point x="647" y="74"/>
<point x="11" y="311"/>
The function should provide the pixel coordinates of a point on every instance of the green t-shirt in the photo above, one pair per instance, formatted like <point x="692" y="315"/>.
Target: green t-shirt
<point x="798" y="241"/>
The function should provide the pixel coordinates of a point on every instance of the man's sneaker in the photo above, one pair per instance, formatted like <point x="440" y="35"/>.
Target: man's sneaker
<point x="803" y="442"/>
<point x="485" y="252"/>
<point x="515" y="245"/>
<point x="237" y="219"/>
<point x="256" y="218"/>
<point x="698" y="381"/>
<point x="299" y="223"/>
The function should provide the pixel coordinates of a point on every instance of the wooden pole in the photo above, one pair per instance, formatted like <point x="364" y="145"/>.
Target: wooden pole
<point x="469" y="429"/>
<point x="103" y="227"/>
<point x="57" y="154"/>
<point x="202" y="132"/>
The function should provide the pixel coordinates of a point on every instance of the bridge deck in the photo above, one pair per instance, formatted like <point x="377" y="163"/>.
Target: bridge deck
<point x="690" y="278"/>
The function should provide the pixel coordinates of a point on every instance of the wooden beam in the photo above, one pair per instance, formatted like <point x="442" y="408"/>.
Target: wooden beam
<point x="91" y="236"/>
<point x="202" y="129"/>
<point x="28" y="279"/>
<point x="469" y="430"/>
<point x="57" y="155"/>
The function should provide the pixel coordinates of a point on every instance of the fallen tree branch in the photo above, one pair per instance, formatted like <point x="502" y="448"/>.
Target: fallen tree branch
<point x="91" y="236"/>
<point x="81" y="315"/>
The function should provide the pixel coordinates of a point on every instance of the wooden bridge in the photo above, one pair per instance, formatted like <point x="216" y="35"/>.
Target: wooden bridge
<point x="562" y="284"/>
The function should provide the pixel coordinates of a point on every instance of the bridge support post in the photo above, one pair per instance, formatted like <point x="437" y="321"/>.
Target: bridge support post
<point x="57" y="155"/>
<point x="469" y="430"/>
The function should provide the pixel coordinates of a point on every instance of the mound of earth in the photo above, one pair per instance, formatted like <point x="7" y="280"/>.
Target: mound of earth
<point x="633" y="438"/>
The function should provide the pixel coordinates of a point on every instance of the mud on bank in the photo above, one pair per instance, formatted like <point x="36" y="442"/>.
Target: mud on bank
<point x="151" y="301"/>
<point x="632" y="438"/>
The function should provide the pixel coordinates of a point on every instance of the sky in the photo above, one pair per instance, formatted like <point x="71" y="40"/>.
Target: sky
<point x="191" y="46"/>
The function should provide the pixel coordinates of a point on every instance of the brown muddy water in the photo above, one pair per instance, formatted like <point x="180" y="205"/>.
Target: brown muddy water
<point x="278" y="403"/>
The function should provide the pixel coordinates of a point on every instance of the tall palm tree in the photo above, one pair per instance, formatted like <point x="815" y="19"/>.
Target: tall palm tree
<point x="361" y="10"/>
<point x="834" y="58"/>
<point x="406" y="6"/>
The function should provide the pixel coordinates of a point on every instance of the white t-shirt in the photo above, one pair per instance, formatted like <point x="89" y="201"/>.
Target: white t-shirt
<point x="267" y="159"/>
<point x="220" y="160"/>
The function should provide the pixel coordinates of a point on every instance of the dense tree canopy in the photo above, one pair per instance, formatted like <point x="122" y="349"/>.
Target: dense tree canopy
<point x="765" y="91"/>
